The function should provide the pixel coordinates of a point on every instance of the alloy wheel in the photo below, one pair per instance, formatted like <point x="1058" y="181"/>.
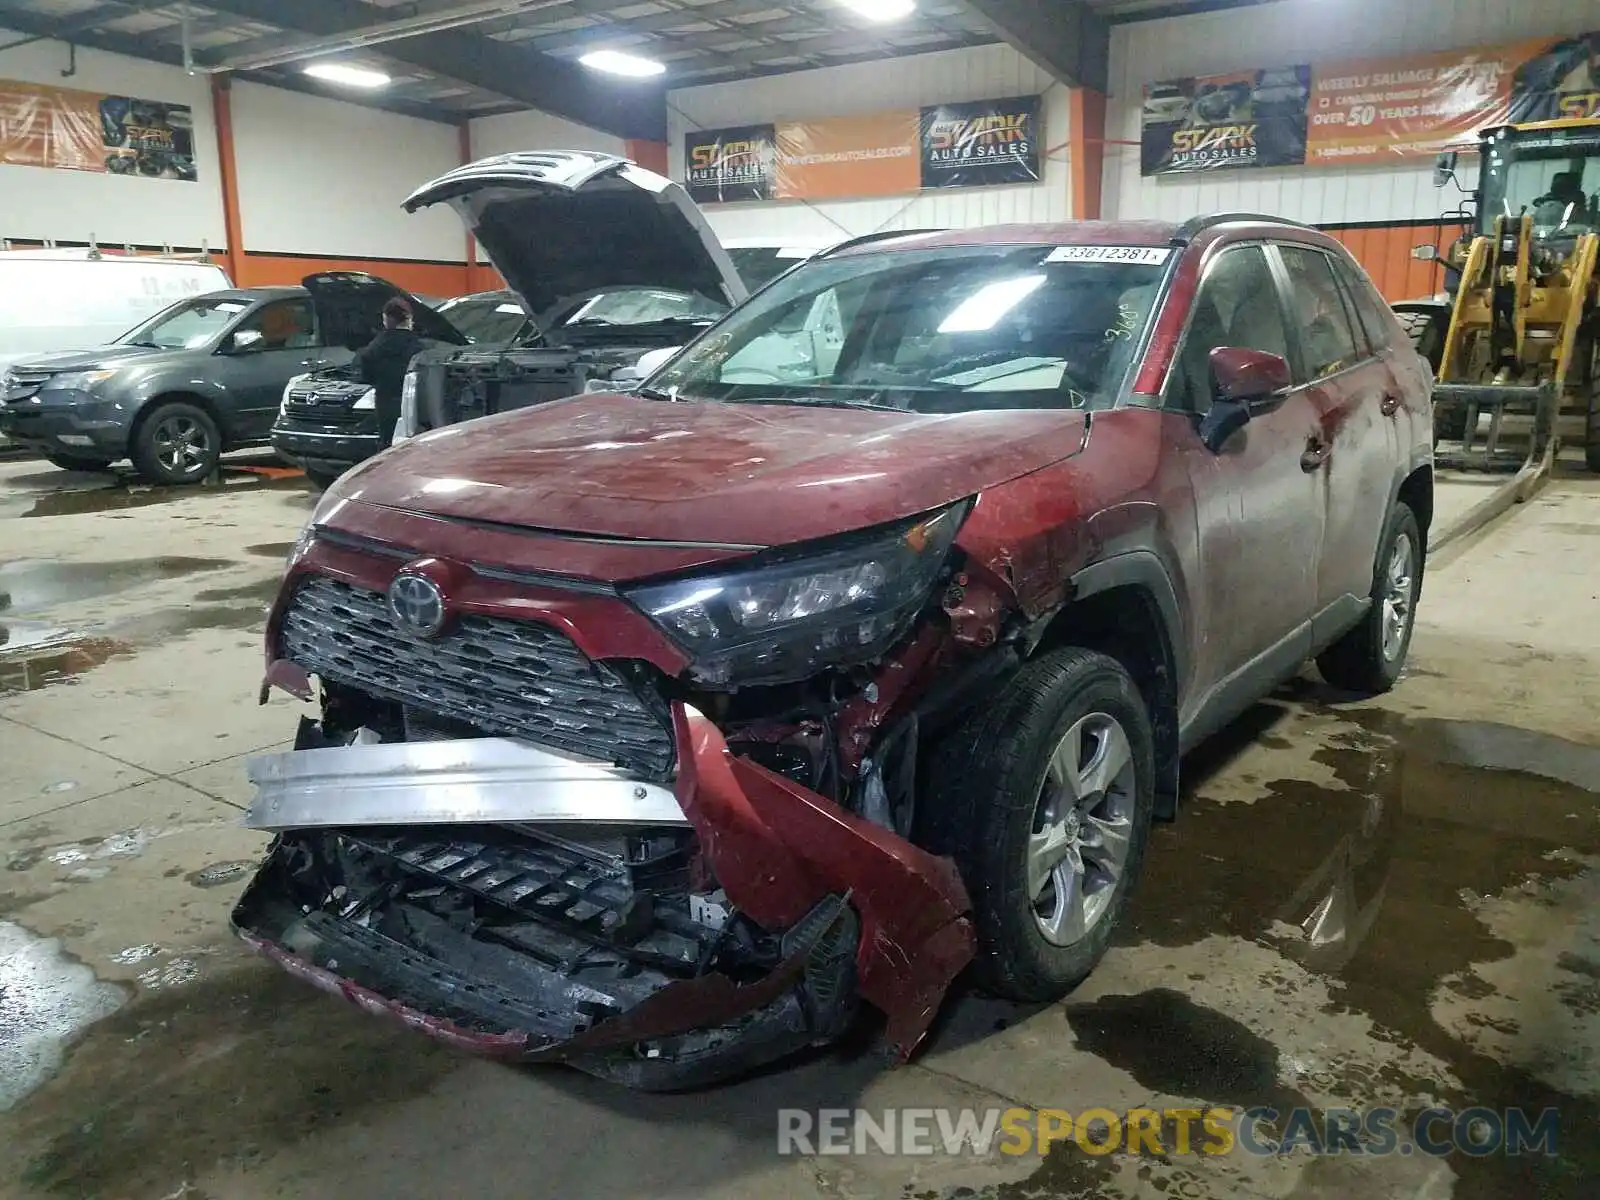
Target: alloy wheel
<point x="1082" y="829"/>
<point x="181" y="443"/>
<point x="1397" y="587"/>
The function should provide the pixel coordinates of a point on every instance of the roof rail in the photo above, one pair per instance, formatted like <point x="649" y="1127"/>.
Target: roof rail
<point x="1195" y="226"/>
<point x="866" y="239"/>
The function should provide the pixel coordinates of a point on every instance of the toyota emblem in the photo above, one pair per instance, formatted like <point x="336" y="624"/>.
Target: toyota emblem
<point x="417" y="605"/>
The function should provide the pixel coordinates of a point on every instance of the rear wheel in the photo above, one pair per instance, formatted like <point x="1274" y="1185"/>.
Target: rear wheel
<point x="1044" y="798"/>
<point x="1370" y="656"/>
<point x="177" y="443"/>
<point x="71" y="462"/>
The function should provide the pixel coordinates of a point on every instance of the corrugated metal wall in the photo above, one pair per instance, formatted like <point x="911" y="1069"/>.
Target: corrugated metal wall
<point x="983" y="73"/>
<point x="1295" y="31"/>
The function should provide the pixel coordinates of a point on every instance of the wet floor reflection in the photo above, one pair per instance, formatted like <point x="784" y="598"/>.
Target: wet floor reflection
<point x="48" y="492"/>
<point x="1379" y="883"/>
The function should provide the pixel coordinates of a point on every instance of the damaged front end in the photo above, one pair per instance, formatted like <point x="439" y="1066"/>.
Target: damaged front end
<point x="545" y="843"/>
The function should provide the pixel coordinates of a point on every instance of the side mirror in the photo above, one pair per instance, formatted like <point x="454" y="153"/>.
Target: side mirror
<point x="1245" y="382"/>
<point x="1444" y="168"/>
<point x="244" y="340"/>
<point x="1427" y="252"/>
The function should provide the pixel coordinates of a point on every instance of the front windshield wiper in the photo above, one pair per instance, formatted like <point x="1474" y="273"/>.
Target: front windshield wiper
<point x="814" y="401"/>
<point x="148" y="345"/>
<point x="650" y="393"/>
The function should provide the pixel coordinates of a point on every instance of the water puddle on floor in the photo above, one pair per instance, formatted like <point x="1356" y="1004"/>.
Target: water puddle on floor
<point x="35" y="585"/>
<point x="1442" y="887"/>
<point x="35" y="655"/>
<point x="125" y="491"/>
<point x="46" y="1000"/>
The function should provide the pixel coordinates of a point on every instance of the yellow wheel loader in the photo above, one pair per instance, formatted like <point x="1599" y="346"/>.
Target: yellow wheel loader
<point x="1516" y="337"/>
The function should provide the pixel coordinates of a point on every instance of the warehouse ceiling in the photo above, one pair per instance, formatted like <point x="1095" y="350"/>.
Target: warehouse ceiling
<point x="450" y="60"/>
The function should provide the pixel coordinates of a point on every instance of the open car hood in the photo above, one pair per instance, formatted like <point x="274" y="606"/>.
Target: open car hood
<point x="350" y="304"/>
<point x="561" y="225"/>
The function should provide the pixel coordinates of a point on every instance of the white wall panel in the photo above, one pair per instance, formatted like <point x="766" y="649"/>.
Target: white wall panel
<point x="537" y="131"/>
<point x="987" y="72"/>
<point x="73" y="205"/>
<point x="321" y="177"/>
<point x="1296" y="31"/>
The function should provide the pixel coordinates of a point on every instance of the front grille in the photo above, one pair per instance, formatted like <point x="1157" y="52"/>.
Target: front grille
<point x="314" y="412"/>
<point x="508" y="678"/>
<point x="20" y="385"/>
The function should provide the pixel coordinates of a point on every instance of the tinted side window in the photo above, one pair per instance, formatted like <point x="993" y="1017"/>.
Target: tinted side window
<point x="283" y="325"/>
<point x="1318" y="310"/>
<point x="1371" y="308"/>
<point x="1236" y="305"/>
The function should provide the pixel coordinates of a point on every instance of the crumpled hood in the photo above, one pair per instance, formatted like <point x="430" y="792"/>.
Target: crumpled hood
<point x="747" y="475"/>
<point x="561" y="225"/>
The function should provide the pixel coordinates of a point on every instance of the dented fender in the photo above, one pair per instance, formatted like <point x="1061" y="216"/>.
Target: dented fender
<point x="778" y="849"/>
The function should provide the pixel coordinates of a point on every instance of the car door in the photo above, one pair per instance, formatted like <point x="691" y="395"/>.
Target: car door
<point x="1354" y="394"/>
<point x="1260" y="512"/>
<point x="267" y="348"/>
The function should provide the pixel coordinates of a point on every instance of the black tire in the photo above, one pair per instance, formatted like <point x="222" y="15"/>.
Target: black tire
<point x="177" y="443"/>
<point x="988" y="792"/>
<point x="1426" y="337"/>
<point x="1427" y="332"/>
<point x="1364" y="660"/>
<point x="320" y="479"/>
<point x="71" y="462"/>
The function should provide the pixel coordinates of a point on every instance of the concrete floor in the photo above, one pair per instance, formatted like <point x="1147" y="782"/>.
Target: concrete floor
<point x="143" y="1055"/>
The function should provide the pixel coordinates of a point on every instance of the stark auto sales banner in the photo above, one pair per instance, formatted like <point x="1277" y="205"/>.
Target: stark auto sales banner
<point x="66" y="129"/>
<point x="1363" y="111"/>
<point x="983" y="143"/>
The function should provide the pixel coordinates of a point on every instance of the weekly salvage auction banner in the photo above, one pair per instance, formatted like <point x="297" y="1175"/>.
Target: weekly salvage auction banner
<point x="66" y="129"/>
<point x="1363" y="111"/>
<point x="983" y="143"/>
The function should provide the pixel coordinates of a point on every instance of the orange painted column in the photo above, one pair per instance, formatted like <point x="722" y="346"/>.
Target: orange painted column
<point x="232" y="226"/>
<point x="1086" y="151"/>
<point x="652" y="156"/>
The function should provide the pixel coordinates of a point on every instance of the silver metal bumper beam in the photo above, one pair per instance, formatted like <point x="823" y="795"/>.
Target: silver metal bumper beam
<point x="468" y="781"/>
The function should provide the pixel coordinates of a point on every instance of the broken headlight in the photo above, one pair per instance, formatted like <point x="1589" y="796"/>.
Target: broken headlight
<point x="787" y="619"/>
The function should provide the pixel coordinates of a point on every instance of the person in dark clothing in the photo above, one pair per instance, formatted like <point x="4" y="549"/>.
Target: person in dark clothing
<point x="383" y="363"/>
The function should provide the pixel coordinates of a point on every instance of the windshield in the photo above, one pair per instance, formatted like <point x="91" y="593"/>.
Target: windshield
<point x="760" y="265"/>
<point x="186" y="325"/>
<point x="1553" y="176"/>
<point x="491" y="319"/>
<point x="937" y="331"/>
<point x="645" y="306"/>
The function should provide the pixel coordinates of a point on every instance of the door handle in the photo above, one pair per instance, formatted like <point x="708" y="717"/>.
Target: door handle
<point x="1389" y="405"/>
<point x="1316" y="453"/>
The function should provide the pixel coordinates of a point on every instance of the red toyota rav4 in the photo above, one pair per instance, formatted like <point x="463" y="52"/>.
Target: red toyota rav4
<point x="860" y="644"/>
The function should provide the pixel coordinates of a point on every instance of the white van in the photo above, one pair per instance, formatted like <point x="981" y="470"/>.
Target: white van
<point x="54" y="300"/>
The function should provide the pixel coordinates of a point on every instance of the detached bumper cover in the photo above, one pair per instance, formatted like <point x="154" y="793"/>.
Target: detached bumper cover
<point x="852" y="908"/>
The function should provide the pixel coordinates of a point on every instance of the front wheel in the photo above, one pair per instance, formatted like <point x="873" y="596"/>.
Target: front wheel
<point x="1369" y="657"/>
<point x="177" y="443"/>
<point x="321" y="479"/>
<point x="1044" y="800"/>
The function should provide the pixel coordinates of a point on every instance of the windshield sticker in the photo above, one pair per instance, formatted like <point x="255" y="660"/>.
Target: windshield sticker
<point x="1152" y="256"/>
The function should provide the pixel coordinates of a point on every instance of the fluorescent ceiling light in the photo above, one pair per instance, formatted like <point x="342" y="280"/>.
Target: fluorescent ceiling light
<point x="347" y="75"/>
<point x="615" y="62"/>
<point x="881" y="10"/>
<point x="983" y="309"/>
